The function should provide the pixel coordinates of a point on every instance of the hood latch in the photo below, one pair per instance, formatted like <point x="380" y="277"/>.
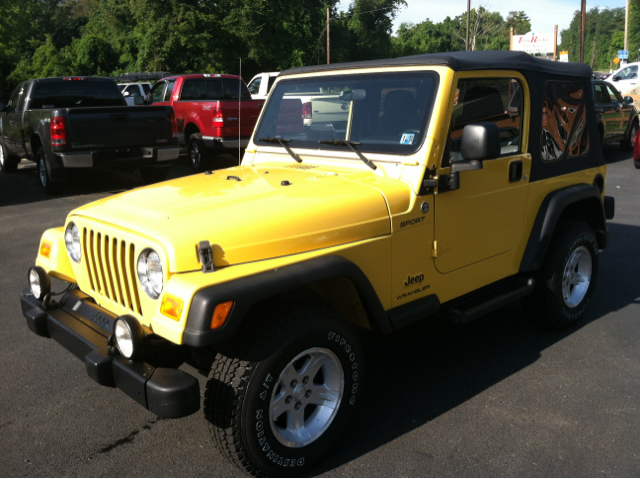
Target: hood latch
<point x="205" y="257"/>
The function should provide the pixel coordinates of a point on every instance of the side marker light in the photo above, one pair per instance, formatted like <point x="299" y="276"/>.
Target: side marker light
<point x="171" y="307"/>
<point x="45" y="249"/>
<point x="220" y="314"/>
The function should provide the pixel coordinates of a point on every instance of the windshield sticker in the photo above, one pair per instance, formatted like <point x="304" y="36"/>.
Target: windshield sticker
<point x="407" y="138"/>
<point x="455" y="99"/>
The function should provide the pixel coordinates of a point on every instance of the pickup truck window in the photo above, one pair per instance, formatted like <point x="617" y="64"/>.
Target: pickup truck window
<point x="383" y="112"/>
<point x="157" y="92"/>
<point x="254" y="86"/>
<point x="13" y="102"/>
<point x="564" y="121"/>
<point x="214" y="89"/>
<point x="169" y="90"/>
<point x="496" y="100"/>
<point x="80" y="93"/>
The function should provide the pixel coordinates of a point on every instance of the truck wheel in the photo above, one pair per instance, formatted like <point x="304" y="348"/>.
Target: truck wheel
<point x="198" y="155"/>
<point x="636" y="163"/>
<point x="280" y="400"/>
<point x="7" y="164"/>
<point x="565" y="283"/>
<point x="154" y="174"/>
<point x="48" y="187"/>
<point x="627" y="143"/>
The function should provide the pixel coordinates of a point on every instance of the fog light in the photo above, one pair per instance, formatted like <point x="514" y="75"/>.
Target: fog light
<point x="129" y="336"/>
<point x="39" y="282"/>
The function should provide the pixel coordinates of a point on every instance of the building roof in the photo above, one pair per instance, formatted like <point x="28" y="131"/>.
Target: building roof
<point x="462" y="61"/>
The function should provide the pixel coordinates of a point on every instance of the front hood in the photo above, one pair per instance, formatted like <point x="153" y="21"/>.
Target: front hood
<point x="247" y="213"/>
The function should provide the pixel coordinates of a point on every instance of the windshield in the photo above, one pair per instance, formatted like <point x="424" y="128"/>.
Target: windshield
<point x="382" y="112"/>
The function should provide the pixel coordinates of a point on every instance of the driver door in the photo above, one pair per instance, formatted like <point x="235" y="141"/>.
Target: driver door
<point x="484" y="217"/>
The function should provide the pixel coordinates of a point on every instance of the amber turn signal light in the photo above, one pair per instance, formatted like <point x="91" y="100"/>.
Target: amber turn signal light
<point x="220" y="314"/>
<point x="171" y="307"/>
<point x="45" y="249"/>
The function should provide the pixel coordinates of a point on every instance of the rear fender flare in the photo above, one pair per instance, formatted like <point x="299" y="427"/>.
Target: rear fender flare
<point x="551" y="210"/>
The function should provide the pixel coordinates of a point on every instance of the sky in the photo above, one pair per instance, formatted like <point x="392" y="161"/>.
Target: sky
<point x="544" y="14"/>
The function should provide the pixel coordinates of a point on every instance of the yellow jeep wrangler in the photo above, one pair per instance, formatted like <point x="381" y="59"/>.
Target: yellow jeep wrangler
<point x="449" y="184"/>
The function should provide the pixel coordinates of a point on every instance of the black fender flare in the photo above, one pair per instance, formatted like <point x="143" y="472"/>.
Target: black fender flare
<point x="549" y="213"/>
<point x="248" y="291"/>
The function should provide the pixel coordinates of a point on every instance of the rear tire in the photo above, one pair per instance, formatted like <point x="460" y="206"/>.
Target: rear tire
<point x="279" y="399"/>
<point x="44" y="175"/>
<point x="7" y="164"/>
<point x="636" y="163"/>
<point x="565" y="283"/>
<point x="627" y="143"/>
<point x="198" y="155"/>
<point x="154" y="174"/>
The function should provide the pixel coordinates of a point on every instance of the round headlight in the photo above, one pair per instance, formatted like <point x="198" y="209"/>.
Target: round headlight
<point x="129" y="336"/>
<point x="150" y="273"/>
<point x="72" y="240"/>
<point x="39" y="282"/>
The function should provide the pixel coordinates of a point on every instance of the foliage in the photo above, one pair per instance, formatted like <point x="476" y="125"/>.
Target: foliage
<point x="40" y="38"/>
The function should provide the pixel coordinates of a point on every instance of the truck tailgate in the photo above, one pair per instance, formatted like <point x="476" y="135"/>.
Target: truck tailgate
<point x="247" y="110"/>
<point x="118" y="127"/>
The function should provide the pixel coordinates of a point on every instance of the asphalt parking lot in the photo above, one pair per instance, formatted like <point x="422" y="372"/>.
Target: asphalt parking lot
<point x="497" y="397"/>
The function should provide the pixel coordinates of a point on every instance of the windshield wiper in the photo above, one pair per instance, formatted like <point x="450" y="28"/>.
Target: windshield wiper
<point x="283" y="142"/>
<point x="352" y="145"/>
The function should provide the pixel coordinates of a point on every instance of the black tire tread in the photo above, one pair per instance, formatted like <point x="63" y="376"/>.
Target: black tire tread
<point x="229" y="370"/>
<point x="538" y="306"/>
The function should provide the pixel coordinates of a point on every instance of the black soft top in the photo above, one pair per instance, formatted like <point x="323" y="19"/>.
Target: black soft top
<point x="463" y="61"/>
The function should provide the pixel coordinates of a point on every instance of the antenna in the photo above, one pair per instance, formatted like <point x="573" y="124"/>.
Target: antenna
<point x="239" y="111"/>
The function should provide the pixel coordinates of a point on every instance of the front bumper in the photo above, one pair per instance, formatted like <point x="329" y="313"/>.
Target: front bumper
<point x="83" y="328"/>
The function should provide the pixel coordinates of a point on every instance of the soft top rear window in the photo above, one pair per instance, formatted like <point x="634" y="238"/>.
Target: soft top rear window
<point x="75" y="93"/>
<point x="383" y="112"/>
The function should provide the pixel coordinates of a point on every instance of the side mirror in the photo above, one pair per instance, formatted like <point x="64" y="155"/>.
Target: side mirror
<point x="628" y="100"/>
<point x="138" y="100"/>
<point x="616" y="78"/>
<point x="480" y="141"/>
<point x="353" y="95"/>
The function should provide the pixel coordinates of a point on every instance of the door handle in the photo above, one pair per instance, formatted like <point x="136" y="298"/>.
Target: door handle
<point x="515" y="171"/>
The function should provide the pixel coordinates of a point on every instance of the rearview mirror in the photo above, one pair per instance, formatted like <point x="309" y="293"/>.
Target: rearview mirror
<point x="138" y="100"/>
<point x="353" y="95"/>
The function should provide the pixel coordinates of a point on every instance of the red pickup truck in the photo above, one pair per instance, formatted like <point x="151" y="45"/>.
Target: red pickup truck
<point x="215" y="113"/>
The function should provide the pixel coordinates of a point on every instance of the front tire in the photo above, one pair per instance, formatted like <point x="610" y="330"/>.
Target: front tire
<point x="565" y="283"/>
<point x="280" y="400"/>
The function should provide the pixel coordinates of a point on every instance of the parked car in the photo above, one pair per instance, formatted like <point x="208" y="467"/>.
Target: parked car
<point x="267" y="273"/>
<point x="625" y="79"/>
<point x="74" y="123"/>
<point x="616" y="116"/>
<point x="215" y="113"/>
<point x="130" y="91"/>
<point x="260" y="85"/>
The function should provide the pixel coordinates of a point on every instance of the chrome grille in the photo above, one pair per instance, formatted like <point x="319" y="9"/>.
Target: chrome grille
<point x="111" y="267"/>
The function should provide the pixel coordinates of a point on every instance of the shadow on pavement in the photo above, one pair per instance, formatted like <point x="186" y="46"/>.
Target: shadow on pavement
<point x="427" y="370"/>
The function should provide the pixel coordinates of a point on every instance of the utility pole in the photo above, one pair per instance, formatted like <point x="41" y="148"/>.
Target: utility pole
<point x="328" y="50"/>
<point x="555" y="42"/>
<point x="584" y="15"/>
<point x="468" y="22"/>
<point x="511" y="41"/>
<point x="626" y="25"/>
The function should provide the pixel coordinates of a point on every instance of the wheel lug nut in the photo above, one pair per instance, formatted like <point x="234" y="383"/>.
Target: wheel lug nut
<point x="288" y="400"/>
<point x="308" y="393"/>
<point x="294" y="383"/>
<point x="298" y="406"/>
<point x="305" y="380"/>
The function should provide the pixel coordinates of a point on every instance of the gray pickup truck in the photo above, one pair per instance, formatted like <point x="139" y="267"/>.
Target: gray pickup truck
<point x="73" y="123"/>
